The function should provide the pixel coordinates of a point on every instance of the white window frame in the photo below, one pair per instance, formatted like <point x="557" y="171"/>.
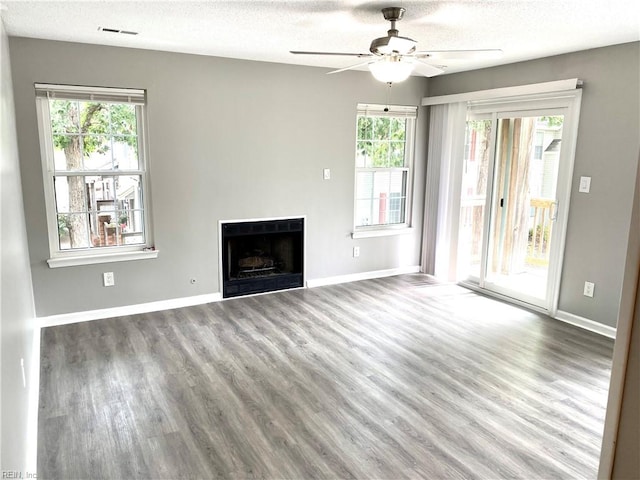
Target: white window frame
<point x="410" y="113"/>
<point x="103" y="254"/>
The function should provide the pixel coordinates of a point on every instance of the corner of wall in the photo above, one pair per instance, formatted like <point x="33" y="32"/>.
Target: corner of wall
<point x="19" y="359"/>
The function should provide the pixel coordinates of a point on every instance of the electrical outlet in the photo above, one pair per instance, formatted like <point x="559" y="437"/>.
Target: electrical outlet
<point x="326" y="174"/>
<point x="108" y="279"/>
<point x="356" y="252"/>
<point x="589" y="287"/>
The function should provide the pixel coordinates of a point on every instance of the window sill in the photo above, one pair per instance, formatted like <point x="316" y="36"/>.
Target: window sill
<point x="101" y="258"/>
<point x="382" y="232"/>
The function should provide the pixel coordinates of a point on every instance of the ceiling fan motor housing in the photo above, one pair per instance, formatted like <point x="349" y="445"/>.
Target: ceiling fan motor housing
<point x="393" y="14"/>
<point x="393" y="43"/>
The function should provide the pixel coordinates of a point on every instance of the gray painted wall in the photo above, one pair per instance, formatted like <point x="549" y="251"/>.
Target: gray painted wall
<point x="229" y="139"/>
<point x="17" y="316"/>
<point x="607" y="151"/>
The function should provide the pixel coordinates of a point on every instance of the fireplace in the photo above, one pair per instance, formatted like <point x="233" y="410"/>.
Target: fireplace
<point x="262" y="256"/>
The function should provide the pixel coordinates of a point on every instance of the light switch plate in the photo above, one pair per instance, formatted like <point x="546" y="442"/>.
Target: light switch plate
<point x="585" y="184"/>
<point x="589" y="288"/>
<point x="326" y="174"/>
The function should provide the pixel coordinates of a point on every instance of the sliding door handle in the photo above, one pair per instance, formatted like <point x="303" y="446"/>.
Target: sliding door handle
<point x="553" y="211"/>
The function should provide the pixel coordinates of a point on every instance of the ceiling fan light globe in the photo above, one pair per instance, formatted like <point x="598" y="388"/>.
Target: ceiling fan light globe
<point x="390" y="70"/>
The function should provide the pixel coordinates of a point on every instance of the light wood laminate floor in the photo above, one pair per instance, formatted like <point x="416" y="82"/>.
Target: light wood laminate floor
<point x="388" y="378"/>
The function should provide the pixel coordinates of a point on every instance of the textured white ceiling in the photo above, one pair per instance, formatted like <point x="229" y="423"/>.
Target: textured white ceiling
<point x="266" y="30"/>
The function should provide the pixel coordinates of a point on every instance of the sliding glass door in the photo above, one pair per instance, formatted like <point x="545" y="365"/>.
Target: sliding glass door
<point x="511" y="230"/>
<point x="524" y="210"/>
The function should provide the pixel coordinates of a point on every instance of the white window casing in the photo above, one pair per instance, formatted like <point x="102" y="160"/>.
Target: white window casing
<point x="401" y="221"/>
<point x="97" y="251"/>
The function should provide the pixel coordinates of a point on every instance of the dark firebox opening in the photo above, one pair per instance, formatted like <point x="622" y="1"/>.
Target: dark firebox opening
<point x="262" y="256"/>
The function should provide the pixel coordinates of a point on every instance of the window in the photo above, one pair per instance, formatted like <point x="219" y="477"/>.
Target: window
<point x="384" y="157"/>
<point x="95" y="173"/>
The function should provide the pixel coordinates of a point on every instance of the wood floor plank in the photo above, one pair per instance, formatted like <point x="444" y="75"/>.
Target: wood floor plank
<point x="400" y="377"/>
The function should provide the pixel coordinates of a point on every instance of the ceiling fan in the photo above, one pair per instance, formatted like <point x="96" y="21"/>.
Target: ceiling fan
<point x="393" y="58"/>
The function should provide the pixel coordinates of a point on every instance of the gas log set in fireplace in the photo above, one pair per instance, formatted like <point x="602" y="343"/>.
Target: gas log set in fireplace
<point x="262" y="256"/>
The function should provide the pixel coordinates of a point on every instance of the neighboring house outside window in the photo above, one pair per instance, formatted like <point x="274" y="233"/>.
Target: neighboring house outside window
<point x="384" y="160"/>
<point x="95" y="173"/>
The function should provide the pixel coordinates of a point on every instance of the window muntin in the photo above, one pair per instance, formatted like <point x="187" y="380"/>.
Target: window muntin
<point x="384" y="151"/>
<point x="95" y="169"/>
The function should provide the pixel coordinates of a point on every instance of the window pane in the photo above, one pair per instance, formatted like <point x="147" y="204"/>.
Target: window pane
<point x="94" y="118"/>
<point x="125" y="153"/>
<point x="128" y="190"/>
<point x="381" y="197"/>
<point x="131" y="221"/>
<point x="133" y="231"/>
<point x="364" y="212"/>
<point x="396" y="208"/>
<point x="97" y="152"/>
<point x="71" y="194"/>
<point x="116" y="201"/>
<point x="67" y="152"/>
<point x="396" y="155"/>
<point x="381" y="128"/>
<point x="365" y="128"/>
<point x="64" y="116"/>
<point x="64" y="226"/>
<point x="123" y="119"/>
<point x="130" y="202"/>
<point x="108" y="141"/>
<point x="111" y="202"/>
<point x="103" y="193"/>
<point x="397" y="182"/>
<point x="380" y="154"/>
<point x="73" y="231"/>
<point x="364" y="185"/>
<point x="473" y="199"/>
<point x="398" y="128"/>
<point x="111" y="228"/>
<point x="108" y="228"/>
<point x="397" y="197"/>
<point x="363" y="154"/>
<point x="61" y="192"/>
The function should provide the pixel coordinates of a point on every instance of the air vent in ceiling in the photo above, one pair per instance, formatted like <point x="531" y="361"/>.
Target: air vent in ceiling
<point x="115" y="30"/>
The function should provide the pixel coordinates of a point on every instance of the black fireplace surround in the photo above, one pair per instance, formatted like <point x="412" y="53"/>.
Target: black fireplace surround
<point x="262" y="256"/>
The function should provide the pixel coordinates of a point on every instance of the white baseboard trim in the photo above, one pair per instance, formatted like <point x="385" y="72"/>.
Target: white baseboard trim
<point x="585" y="323"/>
<point x="354" y="277"/>
<point x="75" y="317"/>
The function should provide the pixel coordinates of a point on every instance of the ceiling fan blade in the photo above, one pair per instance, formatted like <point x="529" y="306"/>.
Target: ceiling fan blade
<point x="349" y="67"/>
<point x="426" y="69"/>
<point x="485" y="54"/>
<point x="340" y="54"/>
